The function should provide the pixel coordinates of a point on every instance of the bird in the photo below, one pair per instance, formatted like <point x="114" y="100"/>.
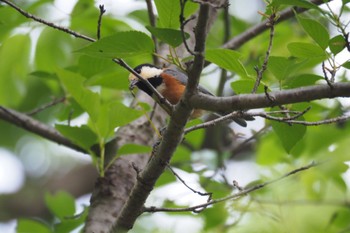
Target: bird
<point x="170" y="83"/>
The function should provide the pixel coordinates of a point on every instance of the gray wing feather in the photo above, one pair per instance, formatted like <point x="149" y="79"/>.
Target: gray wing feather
<point x="182" y="77"/>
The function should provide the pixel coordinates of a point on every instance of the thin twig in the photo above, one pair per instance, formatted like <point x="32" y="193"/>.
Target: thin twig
<point x="213" y="122"/>
<point x="183" y="23"/>
<point x="306" y="123"/>
<point x="35" y="18"/>
<point x="255" y="30"/>
<point x="152" y="21"/>
<point x="243" y="114"/>
<point x="227" y="35"/>
<point x="46" y="106"/>
<point x="99" y="22"/>
<point x="233" y="196"/>
<point x="271" y="23"/>
<point x="241" y="145"/>
<point x="187" y="186"/>
<point x="324" y="70"/>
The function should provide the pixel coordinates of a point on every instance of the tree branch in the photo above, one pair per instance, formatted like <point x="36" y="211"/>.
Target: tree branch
<point x="52" y="25"/>
<point x="251" y="101"/>
<point x="252" y="32"/>
<point x="171" y="138"/>
<point x="260" y="72"/>
<point x="25" y="122"/>
<point x="152" y="21"/>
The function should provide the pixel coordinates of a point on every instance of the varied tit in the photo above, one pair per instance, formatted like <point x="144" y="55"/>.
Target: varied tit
<point x="170" y="83"/>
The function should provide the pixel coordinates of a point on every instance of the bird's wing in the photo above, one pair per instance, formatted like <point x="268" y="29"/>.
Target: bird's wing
<point x="182" y="78"/>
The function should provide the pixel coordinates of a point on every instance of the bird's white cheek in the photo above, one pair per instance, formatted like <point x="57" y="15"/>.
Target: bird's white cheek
<point x="161" y="88"/>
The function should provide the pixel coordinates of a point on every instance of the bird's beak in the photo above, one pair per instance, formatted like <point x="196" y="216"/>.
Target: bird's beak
<point x="133" y="83"/>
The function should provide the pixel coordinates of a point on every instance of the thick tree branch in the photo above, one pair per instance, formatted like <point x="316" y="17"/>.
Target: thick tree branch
<point x="251" y="101"/>
<point x="26" y="122"/>
<point x="172" y="136"/>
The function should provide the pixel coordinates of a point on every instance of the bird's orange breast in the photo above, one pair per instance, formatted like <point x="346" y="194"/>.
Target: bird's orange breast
<point x="173" y="89"/>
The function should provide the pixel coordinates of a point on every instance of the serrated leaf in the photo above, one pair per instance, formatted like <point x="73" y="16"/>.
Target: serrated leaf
<point x="28" y="226"/>
<point x="306" y="50"/>
<point x="120" y="45"/>
<point x="112" y="115"/>
<point x="87" y="99"/>
<point x="83" y="135"/>
<point x="112" y="80"/>
<point x="315" y="30"/>
<point x="90" y="66"/>
<point x="227" y="59"/>
<point x="245" y="86"/>
<point x="170" y="36"/>
<point x="289" y="135"/>
<point x="337" y="44"/>
<point x="134" y="149"/>
<point x="61" y="204"/>
<point x="169" y="12"/>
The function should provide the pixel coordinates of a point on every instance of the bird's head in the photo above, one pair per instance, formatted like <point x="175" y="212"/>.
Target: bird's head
<point x="146" y="71"/>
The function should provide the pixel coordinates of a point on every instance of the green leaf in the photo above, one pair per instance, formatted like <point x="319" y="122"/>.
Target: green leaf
<point x="117" y="79"/>
<point x="170" y="36"/>
<point x="346" y="65"/>
<point x="53" y="50"/>
<point x="112" y="115"/>
<point x="134" y="149"/>
<point x="87" y="99"/>
<point x="82" y="135"/>
<point x="69" y="224"/>
<point x="169" y="12"/>
<point x="120" y="45"/>
<point x="289" y="135"/>
<point x="281" y="67"/>
<point x="337" y="44"/>
<point x="215" y="216"/>
<point x="269" y="150"/>
<point x="306" y="50"/>
<point x="90" y="66"/>
<point x="195" y="138"/>
<point x="61" y="204"/>
<point x="31" y="226"/>
<point x="245" y="86"/>
<point x="166" y="178"/>
<point x="299" y="3"/>
<point x="315" y="30"/>
<point x="341" y="218"/>
<point x="14" y="61"/>
<point x="303" y="80"/>
<point x="227" y="59"/>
